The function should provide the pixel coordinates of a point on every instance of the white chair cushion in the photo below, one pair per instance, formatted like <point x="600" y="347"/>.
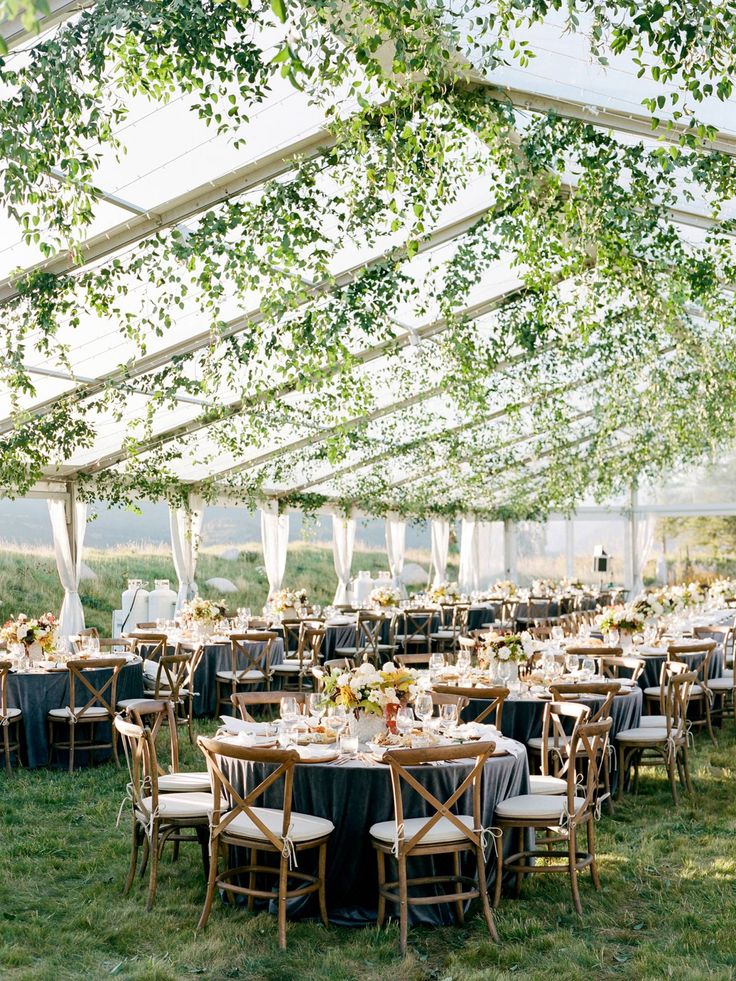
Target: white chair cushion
<point x="150" y="668"/>
<point x="541" y="784"/>
<point x="12" y="713"/>
<point x="441" y="832"/>
<point x="93" y="712"/>
<point x="643" y="734"/>
<point x="252" y="675"/>
<point x="304" y="827"/>
<point x="289" y="666"/>
<point x="181" y="805"/>
<point x="536" y="807"/>
<point x="721" y="684"/>
<point x="653" y="722"/>
<point x="184" y="782"/>
<point x="654" y="691"/>
<point x="442" y="635"/>
<point x="536" y="742"/>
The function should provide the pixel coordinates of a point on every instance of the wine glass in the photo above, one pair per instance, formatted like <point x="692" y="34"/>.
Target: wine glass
<point x="404" y="719"/>
<point x="503" y="671"/>
<point x="448" y="716"/>
<point x="462" y="661"/>
<point x="613" y="637"/>
<point x="317" y="704"/>
<point x="588" y="668"/>
<point x="316" y="609"/>
<point x="572" y="662"/>
<point x="337" y="718"/>
<point x="436" y="663"/>
<point x="558" y="634"/>
<point x="423" y="707"/>
<point x="289" y="709"/>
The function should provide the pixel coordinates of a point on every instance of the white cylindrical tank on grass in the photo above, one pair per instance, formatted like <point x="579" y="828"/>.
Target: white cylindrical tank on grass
<point x="161" y="601"/>
<point x="134" y="604"/>
<point x="362" y="586"/>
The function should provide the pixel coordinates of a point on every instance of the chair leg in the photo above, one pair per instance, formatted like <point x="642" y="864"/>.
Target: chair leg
<point x="6" y="749"/>
<point x="607" y="780"/>
<point x="190" y="714"/>
<point x="709" y="720"/>
<point x="458" y="887"/>
<point x="322" y="873"/>
<point x="621" y="772"/>
<point x="146" y="853"/>
<point x="114" y="739"/>
<point x="252" y="879"/>
<point x="283" y="886"/>
<point x="520" y="832"/>
<point x="499" y="871"/>
<point x="591" y="852"/>
<point x="154" y="857"/>
<point x="483" y="890"/>
<point x="72" y="729"/>
<point x="572" y="864"/>
<point x="133" y="858"/>
<point x="403" y="903"/>
<point x="686" y="767"/>
<point x="211" y="882"/>
<point x="671" y="775"/>
<point x="381" y="880"/>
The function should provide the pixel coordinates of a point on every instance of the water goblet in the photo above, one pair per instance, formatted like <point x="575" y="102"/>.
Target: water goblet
<point x="316" y="609"/>
<point x="503" y="671"/>
<point x="404" y="720"/>
<point x="424" y="707"/>
<point x="289" y="709"/>
<point x="462" y="661"/>
<point x="436" y="663"/>
<point x="448" y="716"/>
<point x="572" y="662"/>
<point x="588" y="668"/>
<point x="557" y="634"/>
<point x="317" y="703"/>
<point x="613" y="637"/>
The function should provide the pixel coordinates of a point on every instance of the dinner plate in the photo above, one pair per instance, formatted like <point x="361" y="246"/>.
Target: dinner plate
<point x="317" y="754"/>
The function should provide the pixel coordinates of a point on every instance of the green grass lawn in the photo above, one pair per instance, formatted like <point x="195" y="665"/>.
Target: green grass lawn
<point x="29" y="582"/>
<point x="667" y="909"/>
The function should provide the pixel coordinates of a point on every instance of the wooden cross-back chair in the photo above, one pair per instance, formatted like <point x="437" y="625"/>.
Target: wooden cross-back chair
<point x="238" y="820"/>
<point x="294" y="671"/>
<point x="159" y="715"/>
<point x="416" y="630"/>
<point x="608" y="691"/>
<point x="171" y="677"/>
<point x="157" y="818"/>
<point x="366" y="644"/>
<point x="561" y="815"/>
<point x="442" y="832"/>
<point x="699" y="693"/>
<point x="453" y="623"/>
<point x="242" y="700"/>
<point x="250" y="664"/>
<point x="150" y="646"/>
<point x="495" y="697"/>
<point x="10" y="719"/>
<point x="612" y="665"/>
<point x="661" y="740"/>
<point x="97" y="706"/>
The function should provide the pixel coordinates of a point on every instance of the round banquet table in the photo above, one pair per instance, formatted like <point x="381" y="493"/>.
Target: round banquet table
<point x="216" y="657"/>
<point x="37" y="692"/>
<point x="522" y="717"/>
<point x="356" y="794"/>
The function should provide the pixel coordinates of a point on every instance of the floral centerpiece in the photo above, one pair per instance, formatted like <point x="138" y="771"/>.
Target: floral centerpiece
<point x="286" y="600"/>
<point x="505" y="588"/>
<point x="543" y="587"/>
<point x="504" y="650"/>
<point x="445" y="592"/>
<point x="203" y="612"/>
<point x="652" y="605"/>
<point x="627" y="620"/>
<point x="31" y="632"/>
<point x="384" y="596"/>
<point x="568" y="585"/>
<point x="722" y="590"/>
<point x="371" y="695"/>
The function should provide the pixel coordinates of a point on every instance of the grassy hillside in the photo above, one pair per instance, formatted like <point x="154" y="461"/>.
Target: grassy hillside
<point x="29" y="582"/>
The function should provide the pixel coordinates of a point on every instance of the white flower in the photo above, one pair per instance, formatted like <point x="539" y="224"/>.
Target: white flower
<point x="342" y="680"/>
<point x="389" y="668"/>
<point x="504" y="653"/>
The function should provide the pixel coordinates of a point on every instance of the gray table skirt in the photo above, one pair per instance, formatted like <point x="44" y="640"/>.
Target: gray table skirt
<point x="36" y="694"/>
<point x="650" y="675"/>
<point x="354" y="797"/>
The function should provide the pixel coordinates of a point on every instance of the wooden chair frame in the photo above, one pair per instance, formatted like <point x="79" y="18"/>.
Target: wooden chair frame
<point x="464" y="887"/>
<point x="670" y="752"/>
<point x="417" y="628"/>
<point x="496" y="696"/>
<point x="235" y="804"/>
<point x="611" y="666"/>
<point x="149" y="829"/>
<point x="367" y="639"/>
<point x="79" y="672"/>
<point x="254" y="661"/>
<point x="588" y="741"/>
<point x="242" y="699"/>
<point x="311" y="639"/>
<point x="7" y="721"/>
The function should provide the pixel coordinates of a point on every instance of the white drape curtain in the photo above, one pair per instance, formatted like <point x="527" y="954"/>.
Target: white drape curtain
<point x="71" y="618"/>
<point x="186" y="531"/>
<point x="440" y="545"/>
<point x="396" y="548"/>
<point x="343" y="540"/>
<point x="645" y="528"/>
<point x="476" y="555"/>
<point x="275" y="542"/>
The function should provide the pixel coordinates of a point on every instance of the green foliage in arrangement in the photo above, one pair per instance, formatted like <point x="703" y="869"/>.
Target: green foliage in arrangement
<point x="612" y="305"/>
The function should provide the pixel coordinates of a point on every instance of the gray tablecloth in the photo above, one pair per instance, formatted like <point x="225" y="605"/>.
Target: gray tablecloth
<point x="354" y="797"/>
<point x="36" y="694"/>
<point x="650" y="675"/>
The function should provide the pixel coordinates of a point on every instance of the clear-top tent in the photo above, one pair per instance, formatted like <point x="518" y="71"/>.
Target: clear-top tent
<point x="176" y="168"/>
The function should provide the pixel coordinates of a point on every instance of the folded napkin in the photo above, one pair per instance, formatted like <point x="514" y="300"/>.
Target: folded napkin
<point x="652" y="650"/>
<point x="240" y="725"/>
<point x="468" y="729"/>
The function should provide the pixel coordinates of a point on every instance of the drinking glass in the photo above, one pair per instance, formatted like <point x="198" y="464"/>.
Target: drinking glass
<point x="317" y="704"/>
<point x="558" y="634"/>
<point x="289" y="709"/>
<point x="348" y="744"/>
<point x="503" y="671"/>
<point x="404" y="719"/>
<point x="613" y="637"/>
<point x="436" y="663"/>
<point x="588" y="668"/>
<point x="584" y="631"/>
<point x="462" y="661"/>
<point x="572" y="662"/>
<point x="337" y="718"/>
<point x="423" y="707"/>
<point x="448" y="715"/>
<point x="316" y="609"/>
